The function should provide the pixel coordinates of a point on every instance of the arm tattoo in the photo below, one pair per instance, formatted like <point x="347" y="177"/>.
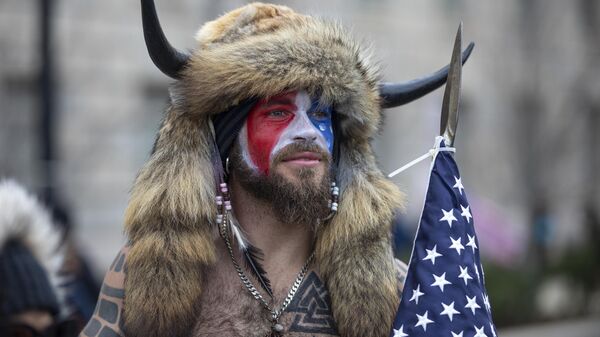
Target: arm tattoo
<point x="311" y="308"/>
<point x="107" y="318"/>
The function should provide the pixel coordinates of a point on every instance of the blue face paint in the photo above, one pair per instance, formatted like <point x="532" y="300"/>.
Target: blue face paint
<point x="321" y="117"/>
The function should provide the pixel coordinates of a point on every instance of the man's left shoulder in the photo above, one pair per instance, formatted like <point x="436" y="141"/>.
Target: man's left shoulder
<point x="401" y="272"/>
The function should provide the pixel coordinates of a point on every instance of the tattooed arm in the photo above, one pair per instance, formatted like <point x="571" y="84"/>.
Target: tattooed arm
<point x="106" y="321"/>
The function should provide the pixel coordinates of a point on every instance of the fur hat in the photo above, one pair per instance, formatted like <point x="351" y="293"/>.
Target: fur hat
<point x="30" y="254"/>
<point x="260" y="50"/>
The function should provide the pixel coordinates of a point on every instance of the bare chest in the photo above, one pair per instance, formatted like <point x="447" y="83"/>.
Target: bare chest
<point x="228" y="309"/>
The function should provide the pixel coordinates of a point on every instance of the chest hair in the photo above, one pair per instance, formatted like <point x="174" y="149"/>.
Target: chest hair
<point x="228" y="309"/>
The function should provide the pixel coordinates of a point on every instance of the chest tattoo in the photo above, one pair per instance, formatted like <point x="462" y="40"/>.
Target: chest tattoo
<point x="310" y="311"/>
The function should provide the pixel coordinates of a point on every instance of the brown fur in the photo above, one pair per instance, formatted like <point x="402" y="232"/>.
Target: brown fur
<point x="258" y="51"/>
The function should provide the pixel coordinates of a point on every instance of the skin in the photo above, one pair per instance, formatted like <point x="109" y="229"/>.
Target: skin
<point x="227" y="309"/>
<point x="280" y="121"/>
<point x="38" y="320"/>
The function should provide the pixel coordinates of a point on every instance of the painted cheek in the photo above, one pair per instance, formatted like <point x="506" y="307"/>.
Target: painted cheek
<point x="263" y="134"/>
<point x="324" y="125"/>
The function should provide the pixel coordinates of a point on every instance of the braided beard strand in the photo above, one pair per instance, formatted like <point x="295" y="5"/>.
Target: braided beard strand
<point x="294" y="204"/>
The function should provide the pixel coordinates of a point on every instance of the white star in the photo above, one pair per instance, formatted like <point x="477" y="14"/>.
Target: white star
<point x="472" y="303"/>
<point x="448" y="216"/>
<point x="479" y="332"/>
<point x="400" y="332"/>
<point x="464" y="274"/>
<point x="457" y="334"/>
<point x="416" y="294"/>
<point x="432" y="254"/>
<point x="440" y="281"/>
<point x="459" y="185"/>
<point x="466" y="212"/>
<point x="456" y="244"/>
<point x="449" y="310"/>
<point x="423" y="321"/>
<point x="472" y="243"/>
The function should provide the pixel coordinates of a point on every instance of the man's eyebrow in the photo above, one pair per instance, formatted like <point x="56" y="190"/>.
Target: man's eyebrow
<point x="285" y="99"/>
<point x="278" y="101"/>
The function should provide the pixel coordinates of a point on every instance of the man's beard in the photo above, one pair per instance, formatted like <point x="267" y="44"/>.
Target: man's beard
<point x="303" y="203"/>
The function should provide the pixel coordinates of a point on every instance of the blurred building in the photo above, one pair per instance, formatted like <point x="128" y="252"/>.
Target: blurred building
<point x="527" y="143"/>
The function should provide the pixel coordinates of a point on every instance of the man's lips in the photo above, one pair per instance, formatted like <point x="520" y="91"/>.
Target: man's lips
<point x="303" y="158"/>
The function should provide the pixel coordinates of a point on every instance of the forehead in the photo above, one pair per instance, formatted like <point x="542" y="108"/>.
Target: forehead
<point x="296" y="99"/>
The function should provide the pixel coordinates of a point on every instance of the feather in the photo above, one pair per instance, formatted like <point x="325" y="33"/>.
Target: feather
<point x="252" y="258"/>
<point x="237" y="234"/>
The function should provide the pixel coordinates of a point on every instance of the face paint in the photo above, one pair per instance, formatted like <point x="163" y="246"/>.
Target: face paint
<point x="320" y="116"/>
<point x="280" y="121"/>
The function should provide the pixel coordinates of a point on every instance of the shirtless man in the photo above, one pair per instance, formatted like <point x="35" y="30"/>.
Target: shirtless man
<point x="261" y="211"/>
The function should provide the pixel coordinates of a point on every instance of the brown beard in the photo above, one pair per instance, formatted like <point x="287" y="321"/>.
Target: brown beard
<point x="303" y="203"/>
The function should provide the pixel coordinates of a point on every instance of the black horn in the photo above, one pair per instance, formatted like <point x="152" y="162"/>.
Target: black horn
<point x="396" y="94"/>
<point x="168" y="59"/>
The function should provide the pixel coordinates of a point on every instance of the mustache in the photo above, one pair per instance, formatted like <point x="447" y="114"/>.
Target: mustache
<point x="301" y="146"/>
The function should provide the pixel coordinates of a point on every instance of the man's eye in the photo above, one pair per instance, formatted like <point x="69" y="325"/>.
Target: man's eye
<point x="277" y="113"/>
<point x="320" y="115"/>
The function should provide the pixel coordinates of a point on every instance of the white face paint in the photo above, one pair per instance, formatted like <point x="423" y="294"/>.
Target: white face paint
<point x="243" y="137"/>
<point x="301" y="127"/>
<point x="280" y="121"/>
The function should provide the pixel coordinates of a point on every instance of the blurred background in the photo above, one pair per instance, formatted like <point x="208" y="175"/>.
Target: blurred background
<point x="80" y="103"/>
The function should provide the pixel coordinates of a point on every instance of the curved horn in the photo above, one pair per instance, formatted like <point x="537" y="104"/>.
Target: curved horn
<point x="396" y="94"/>
<point x="168" y="59"/>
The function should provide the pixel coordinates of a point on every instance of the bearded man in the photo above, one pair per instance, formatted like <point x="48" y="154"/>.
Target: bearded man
<point x="261" y="211"/>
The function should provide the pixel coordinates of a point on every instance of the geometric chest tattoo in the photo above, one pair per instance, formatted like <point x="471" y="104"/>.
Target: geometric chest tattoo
<point x="311" y="308"/>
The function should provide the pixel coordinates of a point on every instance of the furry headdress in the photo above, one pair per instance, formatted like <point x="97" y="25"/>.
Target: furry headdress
<point x="258" y="51"/>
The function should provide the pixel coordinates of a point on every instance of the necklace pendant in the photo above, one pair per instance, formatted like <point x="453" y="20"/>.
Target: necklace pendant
<point x="274" y="334"/>
<point x="276" y="330"/>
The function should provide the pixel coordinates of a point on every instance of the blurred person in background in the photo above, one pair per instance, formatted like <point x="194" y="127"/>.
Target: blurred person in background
<point x="79" y="282"/>
<point x="268" y="133"/>
<point x="31" y="257"/>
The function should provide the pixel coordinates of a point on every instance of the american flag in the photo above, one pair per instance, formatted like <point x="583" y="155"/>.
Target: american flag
<point x="444" y="293"/>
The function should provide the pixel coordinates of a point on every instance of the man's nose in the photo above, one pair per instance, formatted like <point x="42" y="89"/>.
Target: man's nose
<point x="306" y="131"/>
<point x="306" y="136"/>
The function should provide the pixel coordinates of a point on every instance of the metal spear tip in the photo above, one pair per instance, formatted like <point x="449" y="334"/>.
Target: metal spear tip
<point x="450" y="105"/>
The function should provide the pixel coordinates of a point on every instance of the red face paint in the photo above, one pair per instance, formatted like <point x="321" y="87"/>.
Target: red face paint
<point x="265" y="123"/>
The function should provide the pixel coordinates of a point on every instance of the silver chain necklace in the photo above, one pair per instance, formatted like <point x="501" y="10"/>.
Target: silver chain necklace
<point x="276" y="327"/>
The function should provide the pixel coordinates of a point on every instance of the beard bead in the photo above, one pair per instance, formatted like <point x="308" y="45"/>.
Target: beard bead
<point x="335" y="192"/>
<point x="224" y="189"/>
